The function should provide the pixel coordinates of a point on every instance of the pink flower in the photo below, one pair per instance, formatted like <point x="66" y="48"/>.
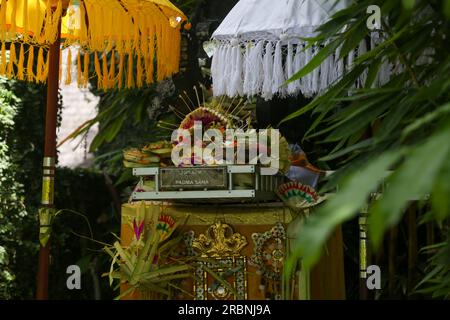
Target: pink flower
<point x="138" y="230"/>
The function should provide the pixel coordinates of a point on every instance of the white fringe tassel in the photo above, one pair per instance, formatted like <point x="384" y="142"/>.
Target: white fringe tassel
<point x="267" y="72"/>
<point x="262" y="67"/>
<point x="278" y="73"/>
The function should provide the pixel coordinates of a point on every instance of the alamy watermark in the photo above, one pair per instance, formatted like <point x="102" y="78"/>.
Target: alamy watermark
<point x="373" y="22"/>
<point x="74" y="280"/>
<point x="231" y="146"/>
<point x="373" y="277"/>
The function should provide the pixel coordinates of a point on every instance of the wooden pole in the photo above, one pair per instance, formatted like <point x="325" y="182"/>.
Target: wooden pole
<point x="49" y="159"/>
<point x="363" y="257"/>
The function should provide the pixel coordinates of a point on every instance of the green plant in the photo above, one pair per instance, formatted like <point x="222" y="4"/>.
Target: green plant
<point x="437" y="280"/>
<point x="11" y="195"/>
<point x="146" y="264"/>
<point x="402" y="126"/>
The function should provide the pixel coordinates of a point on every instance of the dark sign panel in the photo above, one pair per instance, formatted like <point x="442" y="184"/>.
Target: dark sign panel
<point x="193" y="178"/>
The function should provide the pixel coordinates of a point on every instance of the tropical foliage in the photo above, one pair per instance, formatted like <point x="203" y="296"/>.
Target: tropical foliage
<point x="147" y="264"/>
<point x="11" y="193"/>
<point x="22" y="115"/>
<point x="399" y="131"/>
<point x="21" y="131"/>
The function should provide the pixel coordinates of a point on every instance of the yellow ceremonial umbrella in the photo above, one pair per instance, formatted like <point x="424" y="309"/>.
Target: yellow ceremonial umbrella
<point x="134" y="43"/>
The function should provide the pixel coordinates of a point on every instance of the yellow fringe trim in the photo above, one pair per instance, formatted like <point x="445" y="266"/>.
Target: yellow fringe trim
<point x="112" y="69"/>
<point x="130" y="72"/>
<point x="46" y="66"/>
<point x="30" y="74"/>
<point x="69" y="67"/>
<point x="86" y="70"/>
<point x="3" y="60"/>
<point x="20" y="67"/>
<point x="143" y="32"/>
<point x="120" y="75"/>
<point x="12" y="61"/>
<point x="98" y="71"/>
<point x="105" y="71"/>
<point x="79" y="73"/>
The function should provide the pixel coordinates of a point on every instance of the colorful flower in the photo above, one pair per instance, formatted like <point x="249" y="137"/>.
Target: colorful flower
<point x="138" y="230"/>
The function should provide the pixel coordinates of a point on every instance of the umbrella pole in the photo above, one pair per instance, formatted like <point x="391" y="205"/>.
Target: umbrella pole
<point x="49" y="160"/>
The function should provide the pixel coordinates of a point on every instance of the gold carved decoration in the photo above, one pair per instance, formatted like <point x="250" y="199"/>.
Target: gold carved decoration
<point x="219" y="241"/>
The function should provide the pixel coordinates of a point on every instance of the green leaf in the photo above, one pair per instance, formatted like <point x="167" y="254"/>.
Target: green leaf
<point x="440" y="195"/>
<point x="382" y="46"/>
<point x="446" y="8"/>
<point x="97" y="141"/>
<point x="163" y="271"/>
<point x="422" y="164"/>
<point x="315" y="61"/>
<point x="438" y="113"/>
<point x="114" y="129"/>
<point x="331" y="93"/>
<point x="353" y="37"/>
<point x="353" y="147"/>
<point x="126" y="176"/>
<point x="352" y="196"/>
<point x="408" y="4"/>
<point x="372" y="73"/>
<point x="366" y="114"/>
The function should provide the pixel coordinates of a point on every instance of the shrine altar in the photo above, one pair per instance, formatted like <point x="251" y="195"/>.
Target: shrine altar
<point x="250" y="233"/>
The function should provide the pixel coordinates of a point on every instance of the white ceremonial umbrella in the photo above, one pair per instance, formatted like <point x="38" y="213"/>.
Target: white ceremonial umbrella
<point x="259" y="46"/>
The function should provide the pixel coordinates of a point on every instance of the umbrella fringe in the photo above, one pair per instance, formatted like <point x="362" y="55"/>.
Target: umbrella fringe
<point x="151" y="58"/>
<point x="267" y="71"/>
<point x="249" y="68"/>
<point x="290" y="63"/>
<point x="112" y="69"/>
<point x="253" y="78"/>
<point x="3" y="63"/>
<point x="315" y="73"/>
<point x="68" y="80"/>
<point x="20" y="63"/>
<point x="98" y="71"/>
<point x="159" y="54"/>
<point x="120" y="71"/>
<point x="299" y="62"/>
<point x="217" y="72"/>
<point x="3" y="27"/>
<point x="79" y="73"/>
<point x="12" y="61"/>
<point x="236" y="84"/>
<point x="278" y="73"/>
<point x="46" y="66"/>
<point x="228" y="69"/>
<point x="139" y="73"/>
<point x="30" y="63"/>
<point x="86" y="70"/>
<point x="362" y="49"/>
<point x="105" y="71"/>
<point x="130" y="72"/>
<point x="90" y="26"/>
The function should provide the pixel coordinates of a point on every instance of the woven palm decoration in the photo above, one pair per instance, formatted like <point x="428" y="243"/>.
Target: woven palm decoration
<point x="298" y="196"/>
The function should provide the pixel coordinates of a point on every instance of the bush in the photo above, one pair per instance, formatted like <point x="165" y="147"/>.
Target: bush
<point x="84" y="191"/>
